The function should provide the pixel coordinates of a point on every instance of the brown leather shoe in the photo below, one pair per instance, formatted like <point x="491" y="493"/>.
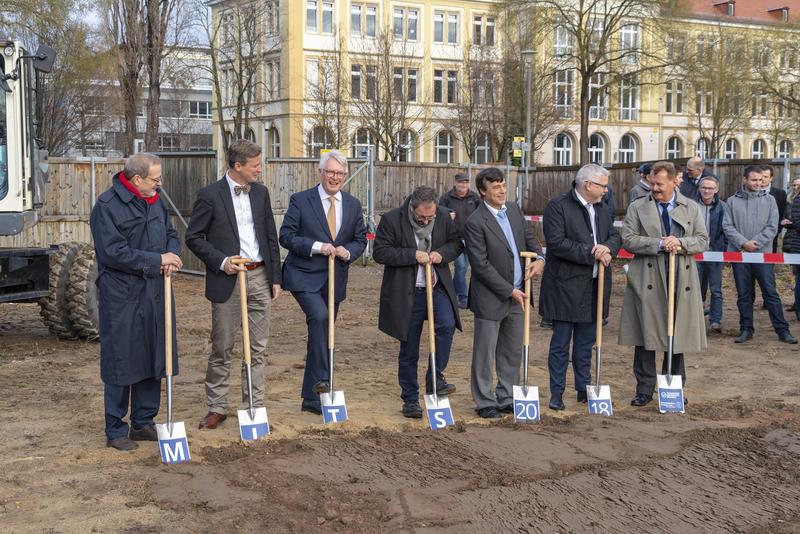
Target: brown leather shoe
<point x="211" y="420"/>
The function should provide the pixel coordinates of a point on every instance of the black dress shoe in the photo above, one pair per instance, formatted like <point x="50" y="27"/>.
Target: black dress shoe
<point x="122" y="444"/>
<point x="508" y="408"/>
<point x="641" y="399"/>
<point x="412" y="409"/>
<point x="583" y="397"/>
<point x="311" y="408"/>
<point x="490" y="412"/>
<point x="556" y="402"/>
<point x="744" y="336"/>
<point x="442" y="387"/>
<point x="786" y="337"/>
<point x="321" y="387"/>
<point x="146" y="433"/>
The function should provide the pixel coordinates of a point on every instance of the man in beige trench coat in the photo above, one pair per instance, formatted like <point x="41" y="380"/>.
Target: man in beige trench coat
<point x="654" y="226"/>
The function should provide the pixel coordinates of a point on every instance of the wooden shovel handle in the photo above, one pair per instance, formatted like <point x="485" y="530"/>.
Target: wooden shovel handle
<point x="168" y="324"/>
<point x="671" y="296"/>
<point x="601" y="286"/>
<point x="529" y="257"/>
<point x="331" y="304"/>
<point x="429" y="296"/>
<point x="240" y="261"/>
<point x="242" y="276"/>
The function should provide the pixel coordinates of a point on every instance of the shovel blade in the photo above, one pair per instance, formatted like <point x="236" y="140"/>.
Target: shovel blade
<point x="440" y="415"/>
<point x="334" y="409"/>
<point x="253" y="423"/>
<point x="599" y="400"/>
<point x="670" y="393"/>
<point x="173" y="445"/>
<point x="526" y="404"/>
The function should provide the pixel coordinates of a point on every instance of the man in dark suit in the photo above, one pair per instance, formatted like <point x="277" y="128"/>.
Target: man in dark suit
<point x="579" y="232"/>
<point x="695" y="170"/>
<point x="320" y="222"/>
<point x="409" y="237"/>
<point x="495" y="234"/>
<point x="232" y="219"/>
<point x="779" y="194"/>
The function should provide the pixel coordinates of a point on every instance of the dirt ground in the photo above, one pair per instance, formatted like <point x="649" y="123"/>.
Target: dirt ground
<point x="730" y="464"/>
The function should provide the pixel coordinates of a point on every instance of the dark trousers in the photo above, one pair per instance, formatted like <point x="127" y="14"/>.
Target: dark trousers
<point x="445" y="325"/>
<point x="460" y="275"/>
<point x="711" y="278"/>
<point x="315" y="306"/>
<point x="796" y="269"/>
<point x="582" y="336"/>
<point x="644" y="368"/>
<point x="143" y="398"/>
<point x="745" y="275"/>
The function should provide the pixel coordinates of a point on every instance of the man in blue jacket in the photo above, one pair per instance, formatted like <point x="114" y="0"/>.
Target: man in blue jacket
<point x="712" y="209"/>
<point x="135" y="243"/>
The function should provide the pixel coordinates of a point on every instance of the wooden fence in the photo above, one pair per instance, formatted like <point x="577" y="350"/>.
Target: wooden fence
<point x="69" y="195"/>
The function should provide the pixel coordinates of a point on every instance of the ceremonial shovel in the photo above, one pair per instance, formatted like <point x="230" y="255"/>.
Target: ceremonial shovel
<point x="253" y="422"/>
<point x="670" y="388"/>
<point x="526" y="398"/>
<point x="172" y="440"/>
<point x="334" y="409"/>
<point x="438" y="409"/>
<point x="599" y="397"/>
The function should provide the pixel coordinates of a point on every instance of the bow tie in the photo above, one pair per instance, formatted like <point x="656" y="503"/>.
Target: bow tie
<point x="239" y="189"/>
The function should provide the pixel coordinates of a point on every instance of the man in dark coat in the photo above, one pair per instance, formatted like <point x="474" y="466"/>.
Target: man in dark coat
<point x="579" y="232"/>
<point x="320" y="222"/>
<point x="232" y="219"/>
<point x="496" y="233"/>
<point x="781" y="199"/>
<point x="135" y="243"/>
<point x="462" y="201"/>
<point x="409" y="237"/>
<point x="695" y="170"/>
<point x="712" y="209"/>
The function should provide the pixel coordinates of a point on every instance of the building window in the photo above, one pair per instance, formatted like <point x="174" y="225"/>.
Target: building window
<point x="327" y="17"/>
<point x="273" y="79"/>
<point x="411" y="84"/>
<point x="563" y="81"/>
<point x="372" y="20"/>
<point x="562" y="150"/>
<point x="760" y="105"/>
<point x="701" y="148"/>
<point x="452" y="28"/>
<point x="452" y="80"/>
<point x="311" y="16"/>
<point x="597" y="148"/>
<point x="759" y="150"/>
<point x="273" y="17"/>
<point x="275" y="142"/>
<point x="784" y="149"/>
<point x="355" y="82"/>
<point x="562" y="41"/>
<point x="483" y="148"/>
<point x="438" y="27"/>
<point x="319" y="139"/>
<point x="405" y="23"/>
<point x="674" y="148"/>
<point x="169" y="142"/>
<point x="405" y="145"/>
<point x="628" y="99"/>
<point x="674" y="97"/>
<point x="676" y="48"/>
<point x="597" y="96"/>
<point x="250" y="135"/>
<point x="371" y="79"/>
<point x="627" y="149"/>
<point x="397" y="85"/>
<point x="629" y="43"/>
<point x="200" y="110"/>
<point x="438" y="86"/>
<point x="362" y="141"/>
<point x="704" y="100"/>
<point x="731" y="149"/>
<point x="355" y="19"/>
<point x="477" y="30"/>
<point x="489" y="31"/>
<point x="445" y="147"/>
<point x="482" y="30"/>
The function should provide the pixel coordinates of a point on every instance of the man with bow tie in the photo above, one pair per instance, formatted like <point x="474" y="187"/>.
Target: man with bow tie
<point x="232" y="219"/>
<point x="496" y="233"/>
<point x="320" y="222"/>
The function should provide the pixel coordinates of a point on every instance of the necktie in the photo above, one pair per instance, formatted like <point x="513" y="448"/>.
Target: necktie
<point x="665" y="220"/>
<point x="502" y="213"/>
<point x="239" y="189"/>
<point x="332" y="217"/>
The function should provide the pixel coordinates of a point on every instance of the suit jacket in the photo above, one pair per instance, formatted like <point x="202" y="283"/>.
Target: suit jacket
<point x="492" y="260"/>
<point x="396" y="249"/>
<point x="213" y="235"/>
<point x="305" y="223"/>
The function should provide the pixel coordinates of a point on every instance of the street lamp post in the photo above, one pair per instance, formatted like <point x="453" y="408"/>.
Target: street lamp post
<point x="528" y="57"/>
<point x="267" y="128"/>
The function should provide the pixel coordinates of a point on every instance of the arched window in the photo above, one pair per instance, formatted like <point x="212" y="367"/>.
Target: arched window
<point x="250" y="135"/>
<point x="228" y="138"/>
<point x="445" y="147"/>
<point x="784" y="149"/>
<point x="759" y="150"/>
<point x="362" y="140"/>
<point x="597" y="148"/>
<point x="627" y="149"/>
<point x="562" y="150"/>
<point x="674" y="148"/>
<point x="318" y="139"/>
<point x="483" y="148"/>
<point x="275" y="142"/>
<point x="406" y="142"/>
<point x="731" y="149"/>
<point x="701" y="148"/>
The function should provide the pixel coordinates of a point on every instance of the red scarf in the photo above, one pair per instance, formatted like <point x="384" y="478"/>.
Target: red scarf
<point x="130" y="187"/>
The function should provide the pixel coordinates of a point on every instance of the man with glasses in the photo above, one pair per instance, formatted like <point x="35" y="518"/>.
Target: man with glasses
<point x="712" y="208"/>
<point x="135" y="244"/>
<point x="320" y="222"/>
<point x="417" y="233"/>
<point x="579" y="232"/>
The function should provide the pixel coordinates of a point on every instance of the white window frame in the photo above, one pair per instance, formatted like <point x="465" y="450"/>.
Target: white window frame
<point x="597" y="148"/>
<point x="327" y="11"/>
<point x="315" y="144"/>
<point x="629" y="36"/>
<point x="627" y="154"/>
<point x="673" y="103"/>
<point x="452" y="28"/>
<point x="483" y="148"/>
<point x="628" y="99"/>
<point x="563" y="92"/>
<point x="784" y="149"/>
<point x="598" y="110"/>
<point x="448" y="146"/>
<point x="312" y="21"/>
<point x="363" y="139"/>
<point x="701" y="148"/>
<point x="562" y="152"/>
<point x="674" y="147"/>
<point x="200" y="109"/>
<point x="731" y="150"/>
<point x="758" y="150"/>
<point x="405" y="141"/>
<point x="439" y="18"/>
<point x="275" y="142"/>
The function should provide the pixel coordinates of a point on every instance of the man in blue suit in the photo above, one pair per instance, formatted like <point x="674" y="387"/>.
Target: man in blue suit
<point x="320" y="222"/>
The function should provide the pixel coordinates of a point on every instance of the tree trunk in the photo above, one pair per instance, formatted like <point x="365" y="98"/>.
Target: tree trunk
<point x="584" y="111"/>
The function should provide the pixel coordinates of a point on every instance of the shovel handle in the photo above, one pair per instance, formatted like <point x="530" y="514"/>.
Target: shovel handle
<point x="331" y="304"/>
<point x="601" y="286"/>
<point x="240" y="261"/>
<point x="671" y="296"/>
<point x="429" y="296"/>
<point x="242" y="276"/>
<point x="168" y="324"/>
<point x="529" y="257"/>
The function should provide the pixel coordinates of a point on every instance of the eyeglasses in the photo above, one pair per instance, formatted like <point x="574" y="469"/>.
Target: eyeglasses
<point x="337" y="174"/>
<point x="605" y="187"/>
<point x="424" y="218"/>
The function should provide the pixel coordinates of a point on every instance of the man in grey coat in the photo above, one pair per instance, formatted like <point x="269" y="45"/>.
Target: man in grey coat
<point x="642" y="187"/>
<point x="750" y="224"/>
<point x="496" y="233"/>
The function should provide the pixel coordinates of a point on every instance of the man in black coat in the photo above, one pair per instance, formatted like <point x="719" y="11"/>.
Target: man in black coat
<point x="232" y="219"/>
<point x="579" y="232"/>
<point x="462" y="201"/>
<point x="409" y="237"/>
<point x="135" y="244"/>
<point x="695" y="170"/>
<point x="779" y="194"/>
<point x="496" y="233"/>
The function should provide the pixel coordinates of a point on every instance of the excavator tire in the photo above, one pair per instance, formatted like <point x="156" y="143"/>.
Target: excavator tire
<point x="82" y="294"/>
<point x="53" y="307"/>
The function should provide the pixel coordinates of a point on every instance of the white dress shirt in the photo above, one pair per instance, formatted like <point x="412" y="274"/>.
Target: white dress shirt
<point x="590" y="209"/>
<point x="248" y="243"/>
<point x="324" y="197"/>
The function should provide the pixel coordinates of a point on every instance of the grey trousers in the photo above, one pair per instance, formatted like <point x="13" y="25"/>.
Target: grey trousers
<point x="226" y="323"/>
<point x="497" y="344"/>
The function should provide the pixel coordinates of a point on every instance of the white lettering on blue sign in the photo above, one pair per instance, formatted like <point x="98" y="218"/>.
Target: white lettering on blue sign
<point x="253" y="428"/>
<point x="334" y="409"/>
<point x="526" y="404"/>
<point x="670" y="395"/>
<point x="440" y="415"/>
<point x="599" y="400"/>
<point x="174" y="446"/>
